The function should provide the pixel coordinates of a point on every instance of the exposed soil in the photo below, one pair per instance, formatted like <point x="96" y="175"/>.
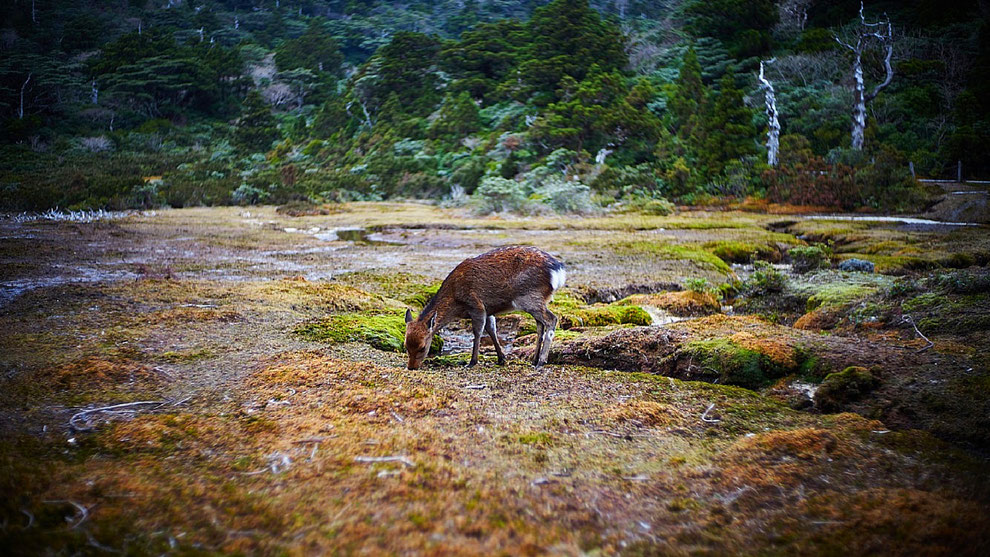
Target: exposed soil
<point x="233" y="432"/>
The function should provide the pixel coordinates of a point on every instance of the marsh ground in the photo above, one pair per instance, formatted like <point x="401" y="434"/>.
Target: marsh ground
<point x="282" y="421"/>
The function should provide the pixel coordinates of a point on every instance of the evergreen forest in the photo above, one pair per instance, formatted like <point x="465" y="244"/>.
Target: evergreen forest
<point x="526" y="106"/>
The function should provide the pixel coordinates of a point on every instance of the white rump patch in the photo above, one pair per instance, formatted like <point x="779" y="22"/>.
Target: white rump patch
<point x="557" y="278"/>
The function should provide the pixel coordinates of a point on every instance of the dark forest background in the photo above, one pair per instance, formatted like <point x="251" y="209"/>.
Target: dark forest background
<point x="530" y="106"/>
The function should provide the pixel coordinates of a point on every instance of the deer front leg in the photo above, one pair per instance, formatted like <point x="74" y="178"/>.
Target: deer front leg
<point x="548" y="333"/>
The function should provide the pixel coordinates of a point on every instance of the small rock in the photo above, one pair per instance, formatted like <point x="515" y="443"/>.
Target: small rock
<point x="857" y="266"/>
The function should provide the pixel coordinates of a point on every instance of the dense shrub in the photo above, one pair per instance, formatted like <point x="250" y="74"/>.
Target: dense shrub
<point x="564" y="196"/>
<point x="496" y="194"/>
<point x="765" y="279"/>
<point x="810" y="258"/>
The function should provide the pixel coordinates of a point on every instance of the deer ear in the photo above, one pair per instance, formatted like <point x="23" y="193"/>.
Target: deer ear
<point x="408" y="315"/>
<point x="433" y="321"/>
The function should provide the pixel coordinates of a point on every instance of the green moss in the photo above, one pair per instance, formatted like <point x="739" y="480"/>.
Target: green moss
<point x="384" y="331"/>
<point x="843" y="387"/>
<point x="536" y="439"/>
<point x="942" y="313"/>
<point x="742" y="252"/>
<point x="736" y="365"/>
<point x="835" y="295"/>
<point x="810" y="258"/>
<point x="704" y="259"/>
<point x="565" y="301"/>
<point x="421" y="294"/>
<point x="573" y="312"/>
<point x="600" y="316"/>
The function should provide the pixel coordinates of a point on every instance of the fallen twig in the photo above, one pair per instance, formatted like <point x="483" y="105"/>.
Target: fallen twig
<point x="30" y="519"/>
<point x="910" y="321"/>
<point x="402" y="459"/>
<point x="83" y="511"/>
<point x="397" y="417"/>
<point x="279" y="462"/>
<point x="178" y="402"/>
<point x="475" y="386"/>
<point x="93" y="543"/>
<point x="616" y="435"/>
<point x="78" y="415"/>
<point x="308" y="440"/>
<point x="706" y="419"/>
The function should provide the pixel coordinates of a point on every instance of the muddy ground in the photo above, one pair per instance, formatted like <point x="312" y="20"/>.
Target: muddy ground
<point x="259" y="402"/>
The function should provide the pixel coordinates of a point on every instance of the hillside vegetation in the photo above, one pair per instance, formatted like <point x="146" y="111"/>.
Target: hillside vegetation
<point x="524" y="106"/>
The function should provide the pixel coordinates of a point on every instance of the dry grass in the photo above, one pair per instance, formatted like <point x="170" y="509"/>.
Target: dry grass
<point x="270" y="453"/>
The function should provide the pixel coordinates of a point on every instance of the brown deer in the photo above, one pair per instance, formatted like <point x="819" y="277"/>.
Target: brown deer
<point x="504" y="279"/>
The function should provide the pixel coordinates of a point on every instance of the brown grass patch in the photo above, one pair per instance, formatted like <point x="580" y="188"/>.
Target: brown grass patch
<point x="119" y="377"/>
<point x="685" y="303"/>
<point x="817" y="320"/>
<point x="778" y="352"/>
<point x="644" y="413"/>
<point x="191" y="315"/>
<point x="885" y="521"/>
<point x="803" y="444"/>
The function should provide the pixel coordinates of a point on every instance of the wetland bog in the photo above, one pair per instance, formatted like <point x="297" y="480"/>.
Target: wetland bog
<point x="695" y="402"/>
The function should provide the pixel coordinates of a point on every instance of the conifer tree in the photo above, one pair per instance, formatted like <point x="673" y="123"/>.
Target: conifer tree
<point x="690" y="96"/>
<point x="731" y="125"/>
<point x="256" y="128"/>
<point x="458" y="117"/>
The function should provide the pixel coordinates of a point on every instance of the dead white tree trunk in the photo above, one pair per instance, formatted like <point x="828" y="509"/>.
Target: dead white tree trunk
<point x="20" y="111"/>
<point x="882" y="31"/>
<point x="773" y="121"/>
<point x="621" y="6"/>
<point x="95" y="94"/>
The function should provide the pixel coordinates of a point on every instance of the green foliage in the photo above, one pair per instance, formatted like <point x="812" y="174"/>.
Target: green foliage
<point x="810" y="258"/>
<point x="458" y="118"/>
<point x="765" y="279"/>
<point x="483" y="95"/>
<point x="315" y="50"/>
<point x="651" y="206"/>
<point x="496" y="194"/>
<point x="564" y="196"/>
<point x="256" y="128"/>
<point x="568" y="38"/>
<point x="732" y="131"/>
<point x="745" y="24"/>
<point x="699" y="285"/>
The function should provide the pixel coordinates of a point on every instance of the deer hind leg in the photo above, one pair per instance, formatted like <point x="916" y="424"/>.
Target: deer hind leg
<point x="492" y="332"/>
<point x="478" y="321"/>
<point x="546" y="322"/>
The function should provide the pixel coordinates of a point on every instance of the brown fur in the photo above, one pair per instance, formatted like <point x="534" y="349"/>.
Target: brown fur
<point x="479" y="288"/>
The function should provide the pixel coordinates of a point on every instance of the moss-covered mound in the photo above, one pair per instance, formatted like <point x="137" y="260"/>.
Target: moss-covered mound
<point x="744" y="252"/>
<point x="685" y="303"/>
<point x="384" y="330"/>
<point x="838" y="389"/>
<point x="573" y="312"/>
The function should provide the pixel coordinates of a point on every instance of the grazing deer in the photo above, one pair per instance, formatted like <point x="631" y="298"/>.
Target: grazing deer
<point x="479" y="288"/>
